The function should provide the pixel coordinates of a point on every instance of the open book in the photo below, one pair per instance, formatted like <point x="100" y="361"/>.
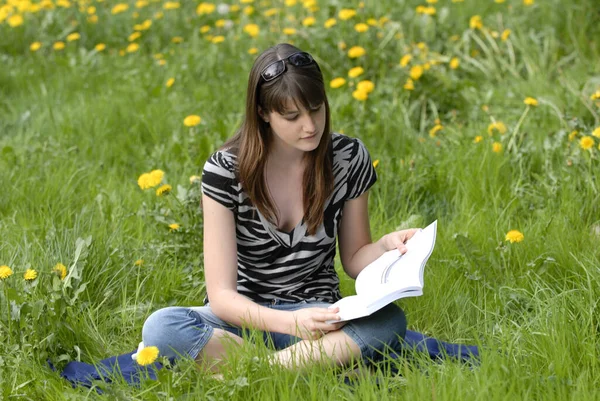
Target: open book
<point x="392" y="276"/>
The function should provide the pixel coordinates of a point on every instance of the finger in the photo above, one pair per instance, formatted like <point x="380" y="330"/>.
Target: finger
<point x="325" y="316"/>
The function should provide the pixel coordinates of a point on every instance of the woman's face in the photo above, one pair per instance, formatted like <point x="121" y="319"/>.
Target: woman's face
<point x="297" y="127"/>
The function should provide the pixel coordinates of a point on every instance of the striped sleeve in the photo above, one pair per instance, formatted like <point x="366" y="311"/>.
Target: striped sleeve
<point x="218" y="180"/>
<point x="362" y="174"/>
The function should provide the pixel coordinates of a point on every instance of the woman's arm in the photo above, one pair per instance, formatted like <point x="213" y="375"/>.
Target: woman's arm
<point x="354" y="236"/>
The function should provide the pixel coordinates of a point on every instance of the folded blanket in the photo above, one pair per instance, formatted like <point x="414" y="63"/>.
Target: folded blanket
<point x="126" y="368"/>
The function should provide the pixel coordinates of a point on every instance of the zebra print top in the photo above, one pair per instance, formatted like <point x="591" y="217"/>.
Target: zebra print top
<point x="293" y="266"/>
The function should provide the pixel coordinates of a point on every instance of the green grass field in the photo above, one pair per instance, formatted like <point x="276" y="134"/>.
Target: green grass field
<point x="446" y="123"/>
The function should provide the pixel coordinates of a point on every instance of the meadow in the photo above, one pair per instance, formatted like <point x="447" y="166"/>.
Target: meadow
<point x="482" y="114"/>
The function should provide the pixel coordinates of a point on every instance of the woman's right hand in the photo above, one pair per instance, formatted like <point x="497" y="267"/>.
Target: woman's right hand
<point x="309" y="323"/>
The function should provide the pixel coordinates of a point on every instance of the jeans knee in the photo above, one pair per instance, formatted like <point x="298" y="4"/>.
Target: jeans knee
<point x="176" y="331"/>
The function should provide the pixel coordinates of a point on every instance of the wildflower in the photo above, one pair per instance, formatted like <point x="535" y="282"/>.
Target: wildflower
<point x="360" y="95"/>
<point x="176" y="39"/>
<point x="119" y="8"/>
<point x="252" y="30"/>
<point x="497" y="147"/>
<point x="355" y="72"/>
<point x="405" y="60"/>
<point x="192" y="120"/>
<point x="496" y="126"/>
<point x="454" y="63"/>
<point x="171" y="5"/>
<point x="595" y="95"/>
<point x="365" y="86"/>
<point x="163" y="190"/>
<point x="15" y="20"/>
<point x="432" y="1"/>
<point x="147" y="355"/>
<point x="409" y="85"/>
<point x="30" y="275"/>
<point x="60" y="270"/>
<point x="73" y="37"/>
<point x="195" y="178"/>
<point x="425" y="10"/>
<point x="528" y="2"/>
<point x="5" y="272"/>
<point x="170" y="82"/>
<point x="132" y="47"/>
<point x="144" y="26"/>
<point x="596" y="132"/>
<point x="514" y="236"/>
<point x="134" y="36"/>
<point x="218" y="39"/>
<point x="252" y="50"/>
<point x="505" y="35"/>
<point x="329" y="23"/>
<point x="361" y="27"/>
<point x="35" y="46"/>
<point x="572" y="135"/>
<point x="99" y="47"/>
<point x="58" y="45"/>
<point x="174" y="226"/>
<point x="356" y="51"/>
<point x="205" y="8"/>
<point x="248" y="10"/>
<point x="475" y="22"/>
<point x="436" y="128"/>
<point x="530" y="101"/>
<point x="337" y="82"/>
<point x="309" y="21"/>
<point x="376" y="163"/>
<point x="346" y="14"/>
<point x="416" y="71"/>
<point x="289" y="31"/>
<point x="587" y="142"/>
<point x="290" y="3"/>
<point x="139" y="262"/>
<point x="478" y="139"/>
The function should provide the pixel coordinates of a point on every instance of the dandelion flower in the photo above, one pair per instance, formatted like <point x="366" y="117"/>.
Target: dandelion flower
<point x="355" y="72"/>
<point x="60" y="270"/>
<point x="253" y="50"/>
<point x="147" y="355"/>
<point x="171" y="5"/>
<point x="132" y="47"/>
<point x="170" y="82"/>
<point x="528" y="2"/>
<point x="174" y="226"/>
<point x="99" y="47"/>
<point x="309" y="21"/>
<point x="596" y="132"/>
<point x="416" y="72"/>
<point x="587" y="142"/>
<point x="163" y="190"/>
<point x="289" y="31"/>
<point x="35" y="46"/>
<point x="497" y="147"/>
<point x="572" y="135"/>
<point x="514" y="236"/>
<point x="5" y="272"/>
<point x="134" y="36"/>
<point x="530" y="101"/>
<point x="505" y="35"/>
<point x="73" y="37"/>
<point x="497" y="126"/>
<point x="346" y="14"/>
<point x="30" y="275"/>
<point x="361" y="27"/>
<point x="252" y="29"/>
<point x="478" y="139"/>
<point x="329" y="23"/>
<point x="58" y="45"/>
<point x="337" y="82"/>
<point x="356" y="51"/>
<point x="192" y="120"/>
<point x="195" y="178"/>
<point x="409" y="85"/>
<point x="360" y="95"/>
<point x="454" y="63"/>
<point x="15" y="20"/>
<point x="139" y="262"/>
<point x="144" y="181"/>
<point x="376" y="163"/>
<point x="119" y="8"/>
<point x="405" y="60"/>
<point x="595" y="95"/>
<point x="366" y="86"/>
<point x="436" y="128"/>
<point x="475" y="22"/>
<point x="218" y="39"/>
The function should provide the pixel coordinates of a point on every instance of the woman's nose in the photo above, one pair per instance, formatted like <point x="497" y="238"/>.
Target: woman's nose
<point x="309" y="123"/>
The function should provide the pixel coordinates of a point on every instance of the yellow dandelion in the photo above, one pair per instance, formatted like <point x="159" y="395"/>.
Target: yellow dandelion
<point x="497" y="147"/>
<point x="252" y="29"/>
<point x="119" y="8"/>
<point x="205" y="8"/>
<point x="595" y="95"/>
<point x="163" y="190"/>
<point x="416" y="72"/>
<point x="60" y="270"/>
<point x="309" y="21"/>
<point x="248" y="10"/>
<point x="329" y="23"/>
<point x="496" y="126"/>
<point x="289" y="31"/>
<point x="337" y="82"/>
<point x="505" y="34"/>
<point x="171" y="5"/>
<point x="528" y="2"/>
<point x="514" y="236"/>
<point x="93" y="19"/>
<point x="475" y="22"/>
<point x="134" y="36"/>
<point x="99" y="47"/>
<point x="195" y="178"/>
<point x="360" y="95"/>
<point x="156" y="177"/>
<point x="409" y="85"/>
<point x="192" y="120"/>
<point x="361" y="27"/>
<point x="436" y="128"/>
<point x="530" y="101"/>
<point x="58" y="45"/>
<point x="15" y="20"/>
<point x="346" y="14"/>
<point x="35" y="46"/>
<point x="405" y="60"/>
<point x="355" y="72"/>
<point x="30" y="275"/>
<point x="176" y="39"/>
<point x="73" y="37"/>
<point x="365" y="86"/>
<point x="144" y="181"/>
<point x="174" y="226"/>
<point x="147" y="355"/>
<point x="596" y="132"/>
<point x="170" y="82"/>
<point x="478" y="139"/>
<point x="587" y="142"/>
<point x="132" y="47"/>
<point x="252" y="50"/>
<point x="454" y="63"/>
<point x="376" y="163"/>
<point x="139" y="262"/>
<point x="218" y="39"/>
<point x="356" y="51"/>
<point x="5" y="272"/>
<point x="572" y="135"/>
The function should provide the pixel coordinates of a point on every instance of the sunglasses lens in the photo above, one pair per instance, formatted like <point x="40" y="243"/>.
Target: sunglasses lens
<point x="300" y="59"/>
<point x="272" y="71"/>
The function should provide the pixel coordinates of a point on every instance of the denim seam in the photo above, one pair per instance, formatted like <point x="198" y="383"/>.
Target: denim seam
<point x="203" y="340"/>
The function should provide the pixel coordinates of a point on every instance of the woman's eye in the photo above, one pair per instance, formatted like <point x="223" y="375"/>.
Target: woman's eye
<point x="292" y="118"/>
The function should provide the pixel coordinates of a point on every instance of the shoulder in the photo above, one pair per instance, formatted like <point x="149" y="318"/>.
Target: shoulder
<point x="222" y="163"/>
<point x="347" y="150"/>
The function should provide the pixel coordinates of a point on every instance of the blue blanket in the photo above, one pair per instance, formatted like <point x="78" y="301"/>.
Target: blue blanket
<point x="123" y="367"/>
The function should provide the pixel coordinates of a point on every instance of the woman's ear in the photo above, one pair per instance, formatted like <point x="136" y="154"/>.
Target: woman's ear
<point x="263" y="115"/>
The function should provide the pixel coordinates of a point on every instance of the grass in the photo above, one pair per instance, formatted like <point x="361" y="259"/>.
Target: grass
<point x="78" y="126"/>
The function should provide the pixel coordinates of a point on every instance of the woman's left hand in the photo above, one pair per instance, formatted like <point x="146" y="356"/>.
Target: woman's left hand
<point x="397" y="239"/>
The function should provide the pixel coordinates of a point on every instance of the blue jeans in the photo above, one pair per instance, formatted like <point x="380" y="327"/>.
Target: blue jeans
<point x="184" y="331"/>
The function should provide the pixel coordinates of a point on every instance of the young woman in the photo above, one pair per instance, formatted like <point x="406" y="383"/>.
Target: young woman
<point x="275" y="198"/>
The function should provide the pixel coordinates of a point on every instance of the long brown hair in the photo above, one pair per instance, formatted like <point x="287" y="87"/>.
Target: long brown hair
<point x="304" y="86"/>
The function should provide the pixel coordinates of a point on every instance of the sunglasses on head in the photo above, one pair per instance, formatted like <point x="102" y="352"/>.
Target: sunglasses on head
<point x="275" y="69"/>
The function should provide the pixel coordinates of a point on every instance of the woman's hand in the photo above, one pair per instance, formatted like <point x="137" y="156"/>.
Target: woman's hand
<point x="397" y="240"/>
<point x="309" y="323"/>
